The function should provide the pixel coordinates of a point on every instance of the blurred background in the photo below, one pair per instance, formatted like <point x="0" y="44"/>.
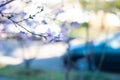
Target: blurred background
<point x="59" y="39"/>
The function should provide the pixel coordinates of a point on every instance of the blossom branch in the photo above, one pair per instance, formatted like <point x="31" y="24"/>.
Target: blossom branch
<point x="6" y="3"/>
<point x="30" y="16"/>
<point x="17" y="24"/>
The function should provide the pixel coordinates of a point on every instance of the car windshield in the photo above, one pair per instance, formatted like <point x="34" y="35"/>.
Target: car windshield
<point x="115" y="42"/>
<point x="112" y="41"/>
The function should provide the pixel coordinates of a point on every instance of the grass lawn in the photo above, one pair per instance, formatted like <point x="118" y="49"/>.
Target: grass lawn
<point x="19" y="73"/>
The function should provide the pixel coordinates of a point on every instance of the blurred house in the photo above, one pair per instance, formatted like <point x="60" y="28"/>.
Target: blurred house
<point x="101" y="22"/>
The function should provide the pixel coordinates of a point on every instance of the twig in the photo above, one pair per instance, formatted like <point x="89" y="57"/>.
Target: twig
<point x="30" y="16"/>
<point x="27" y="29"/>
<point x="6" y="3"/>
<point x="17" y="24"/>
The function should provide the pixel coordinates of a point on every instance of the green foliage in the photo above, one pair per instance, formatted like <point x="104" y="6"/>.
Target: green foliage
<point x="78" y="32"/>
<point x="85" y="24"/>
<point x="14" y="73"/>
<point x="108" y="6"/>
<point x="19" y="73"/>
<point x="84" y="3"/>
<point x="117" y="4"/>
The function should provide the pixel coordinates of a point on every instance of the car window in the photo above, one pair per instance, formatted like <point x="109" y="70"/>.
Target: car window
<point x="114" y="42"/>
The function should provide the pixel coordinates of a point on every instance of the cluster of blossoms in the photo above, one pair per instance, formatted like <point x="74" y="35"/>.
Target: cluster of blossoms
<point x="21" y="17"/>
<point x="52" y="37"/>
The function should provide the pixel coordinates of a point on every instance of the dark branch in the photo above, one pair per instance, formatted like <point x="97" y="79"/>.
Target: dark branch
<point x="2" y="5"/>
<point x="17" y="24"/>
<point x="30" y="17"/>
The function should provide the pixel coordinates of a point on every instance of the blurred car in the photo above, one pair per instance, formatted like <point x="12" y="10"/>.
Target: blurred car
<point x="102" y="54"/>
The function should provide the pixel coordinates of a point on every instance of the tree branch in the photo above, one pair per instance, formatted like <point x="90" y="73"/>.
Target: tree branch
<point x="6" y="3"/>
<point x="17" y="24"/>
